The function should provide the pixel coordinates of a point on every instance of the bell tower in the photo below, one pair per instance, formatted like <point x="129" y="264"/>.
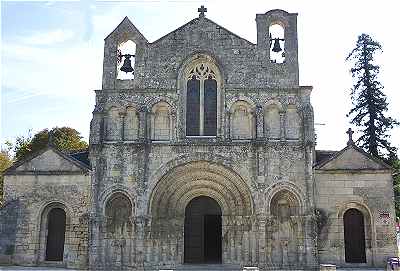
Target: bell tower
<point x="278" y="48"/>
<point x="117" y="59"/>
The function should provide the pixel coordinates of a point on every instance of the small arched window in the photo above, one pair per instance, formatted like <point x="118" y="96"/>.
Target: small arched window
<point x="292" y="123"/>
<point x="201" y="101"/>
<point x="161" y="122"/>
<point x="277" y="42"/>
<point x="272" y="122"/>
<point x="131" y="124"/>
<point x="126" y="60"/>
<point x="113" y="124"/>
<point x="241" y="121"/>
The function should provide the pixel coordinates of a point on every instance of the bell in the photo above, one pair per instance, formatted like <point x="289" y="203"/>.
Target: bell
<point x="127" y="66"/>
<point x="277" y="47"/>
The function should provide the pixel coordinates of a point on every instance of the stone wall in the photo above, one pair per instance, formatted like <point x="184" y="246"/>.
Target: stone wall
<point x="370" y="192"/>
<point x="23" y="230"/>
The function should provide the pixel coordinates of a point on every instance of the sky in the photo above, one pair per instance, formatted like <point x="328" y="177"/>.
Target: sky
<point x="52" y="52"/>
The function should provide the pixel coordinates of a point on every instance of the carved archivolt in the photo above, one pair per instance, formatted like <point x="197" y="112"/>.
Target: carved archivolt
<point x="183" y="183"/>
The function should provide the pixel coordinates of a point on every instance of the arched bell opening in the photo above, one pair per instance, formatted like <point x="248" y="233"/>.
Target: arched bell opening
<point x="203" y="231"/>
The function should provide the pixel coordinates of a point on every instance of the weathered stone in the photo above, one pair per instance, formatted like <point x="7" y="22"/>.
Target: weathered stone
<point x="282" y="202"/>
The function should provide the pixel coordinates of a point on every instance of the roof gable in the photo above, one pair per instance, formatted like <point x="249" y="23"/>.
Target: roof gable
<point x="353" y="158"/>
<point x="127" y="30"/>
<point x="201" y="25"/>
<point x="48" y="159"/>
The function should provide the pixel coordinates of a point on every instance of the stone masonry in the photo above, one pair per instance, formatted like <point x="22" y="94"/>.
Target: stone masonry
<point x="282" y="204"/>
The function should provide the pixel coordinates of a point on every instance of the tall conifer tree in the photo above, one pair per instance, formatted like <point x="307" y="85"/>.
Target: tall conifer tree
<point x="369" y="102"/>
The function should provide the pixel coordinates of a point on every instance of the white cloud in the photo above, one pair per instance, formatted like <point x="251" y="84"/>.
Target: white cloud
<point x="48" y="38"/>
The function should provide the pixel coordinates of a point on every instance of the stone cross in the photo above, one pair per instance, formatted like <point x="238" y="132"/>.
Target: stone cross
<point x="350" y="133"/>
<point x="202" y="9"/>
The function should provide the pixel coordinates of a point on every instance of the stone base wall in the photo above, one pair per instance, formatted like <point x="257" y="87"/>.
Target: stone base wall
<point x="23" y="218"/>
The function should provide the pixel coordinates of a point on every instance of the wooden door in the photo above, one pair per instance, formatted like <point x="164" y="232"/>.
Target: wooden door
<point x="203" y="231"/>
<point x="55" y="235"/>
<point x="354" y="236"/>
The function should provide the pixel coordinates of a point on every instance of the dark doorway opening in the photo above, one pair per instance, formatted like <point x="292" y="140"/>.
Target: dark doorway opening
<point x="354" y="236"/>
<point x="55" y="235"/>
<point x="203" y="230"/>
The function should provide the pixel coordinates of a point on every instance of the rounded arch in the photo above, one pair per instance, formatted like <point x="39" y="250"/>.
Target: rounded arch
<point x="157" y="100"/>
<point x="107" y="194"/>
<point x="369" y="233"/>
<point x="201" y="178"/>
<point x="243" y="98"/>
<point x="293" y="193"/>
<point x="193" y="60"/>
<point x="224" y="161"/>
<point x="354" y="205"/>
<point x="242" y="120"/>
<point x="272" y="103"/>
<point x="46" y="207"/>
<point x="43" y="221"/>
<point x="241" y="102"/>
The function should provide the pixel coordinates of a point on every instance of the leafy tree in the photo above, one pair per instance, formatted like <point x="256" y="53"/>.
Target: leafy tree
<point x="64" y="139"/>
<point x="369" y="102"/>
<point x="5" y="162"/>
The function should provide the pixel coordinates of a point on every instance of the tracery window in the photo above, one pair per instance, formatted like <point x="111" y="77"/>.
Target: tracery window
<point x="201" y="102"/>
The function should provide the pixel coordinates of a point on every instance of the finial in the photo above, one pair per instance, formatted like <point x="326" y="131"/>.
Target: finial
<point x="350" y="133"/>
<point x="202" y="9"/>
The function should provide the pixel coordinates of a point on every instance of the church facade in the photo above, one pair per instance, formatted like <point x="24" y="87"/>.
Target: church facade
<point x="205" y="154"/>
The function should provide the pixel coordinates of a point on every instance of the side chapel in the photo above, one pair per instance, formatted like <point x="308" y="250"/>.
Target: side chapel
<point x="202" y="150"/>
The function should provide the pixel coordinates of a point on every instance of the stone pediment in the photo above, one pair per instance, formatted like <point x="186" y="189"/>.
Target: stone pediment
<point x="127" y="30"/>
<point x="353" y="158"/>
<point x="48" y="160"/>
<point x="201" y="29"/>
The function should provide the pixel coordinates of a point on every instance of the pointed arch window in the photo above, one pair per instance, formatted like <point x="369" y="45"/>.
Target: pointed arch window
<point x="201" y="102"/>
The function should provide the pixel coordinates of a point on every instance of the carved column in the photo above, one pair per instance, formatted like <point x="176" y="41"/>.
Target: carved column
<point x="142" y="123"/>
<point x="228" y="125"/>
<point x="122" y="116"/>
<point x="283" y="127"/>
<point x="259" y="115"/>
<point x="173" y="127"/>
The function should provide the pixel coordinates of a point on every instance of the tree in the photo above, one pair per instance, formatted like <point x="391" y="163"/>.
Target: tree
<point x="369" y="102"/>
<point x="64" y="139"/>
<point x="5" y="162"/>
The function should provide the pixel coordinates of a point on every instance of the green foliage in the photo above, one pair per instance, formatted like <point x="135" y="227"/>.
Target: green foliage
<point x="5" y="162"/>
<point x="369" y="102"/>
<point x="64" y="139"/>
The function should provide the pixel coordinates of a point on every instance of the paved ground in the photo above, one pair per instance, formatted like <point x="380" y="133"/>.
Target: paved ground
<point x="16" y="268"/>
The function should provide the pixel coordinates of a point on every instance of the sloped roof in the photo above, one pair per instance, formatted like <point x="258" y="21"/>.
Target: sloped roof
<point x="322" y="156"/>
<point x="127" y="24"/>
<point x="196" y="21"/>
<point x="351" y="157"/>
<point x="78" y="160"/>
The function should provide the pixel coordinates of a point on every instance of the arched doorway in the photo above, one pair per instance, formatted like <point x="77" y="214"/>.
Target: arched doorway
<point x="55" y="235"/>
<point x="354" y="236"/>
<point x="203" y="230"/>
